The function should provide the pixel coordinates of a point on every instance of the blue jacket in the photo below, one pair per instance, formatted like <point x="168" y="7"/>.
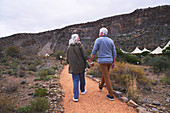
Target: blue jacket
<point x="106" y="49"/>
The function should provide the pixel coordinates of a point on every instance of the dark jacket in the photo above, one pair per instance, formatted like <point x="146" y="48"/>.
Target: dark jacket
<point x="76" y="58"/>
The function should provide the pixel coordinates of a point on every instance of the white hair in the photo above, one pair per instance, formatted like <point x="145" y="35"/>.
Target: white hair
<point x="104" y="30"/>
<point x="73" y="39"/>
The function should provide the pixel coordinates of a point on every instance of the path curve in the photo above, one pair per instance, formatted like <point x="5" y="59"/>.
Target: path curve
<point x="93" y="101"/>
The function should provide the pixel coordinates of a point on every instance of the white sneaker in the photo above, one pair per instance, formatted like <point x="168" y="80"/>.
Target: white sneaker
<point x="84" y="92"/>
<point x="75" y="100"/>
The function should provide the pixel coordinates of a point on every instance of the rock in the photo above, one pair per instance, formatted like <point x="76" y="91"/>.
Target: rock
<point x="91" y="76"/>
<point x="167" y="100"/>
<point x="124" y="99"/>
<point x="154" y="83"/>
<point x="147" y="88"/>
<point x="117" y="93"/>
<point x="146" y="101"/>
<point x="154" y="109"/>
<point x="156" y="103"/>
<point x="30" y="94"/>
<point x="141" y="109"/>
<point x="97" y="80"/>
<point x="23" y="82"/>
<point x="94" y="78"/>
<point x="132" y="103"/>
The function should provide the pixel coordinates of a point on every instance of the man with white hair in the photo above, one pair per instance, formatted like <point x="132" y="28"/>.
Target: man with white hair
<point x="106" y="58"/>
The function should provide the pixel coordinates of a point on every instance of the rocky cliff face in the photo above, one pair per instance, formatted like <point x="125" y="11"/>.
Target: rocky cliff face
<point x="143" y="28"/>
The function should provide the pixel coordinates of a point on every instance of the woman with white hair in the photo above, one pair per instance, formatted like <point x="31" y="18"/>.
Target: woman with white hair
<point x="76" y="58"/>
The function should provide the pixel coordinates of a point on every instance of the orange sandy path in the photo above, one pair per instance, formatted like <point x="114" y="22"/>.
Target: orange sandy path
<point x="93" y="101"/>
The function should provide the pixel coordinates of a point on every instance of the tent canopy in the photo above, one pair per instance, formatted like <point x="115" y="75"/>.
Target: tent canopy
<point x="124" y="51"/>
<point x="145" y="50"/>
<point x="158" y="50"/>
<point x="136" y="51"/>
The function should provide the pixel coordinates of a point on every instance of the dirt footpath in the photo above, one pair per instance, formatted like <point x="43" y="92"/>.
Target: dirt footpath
<point x="93" y="101"/>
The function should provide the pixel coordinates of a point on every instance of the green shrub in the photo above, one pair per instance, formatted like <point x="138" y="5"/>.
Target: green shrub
<point x="41" y="92"/>
<point x="32" y="68"/>
<point x="127" y="58"/>
<point x="165" y="80"/>
<point x="40" y="104"/>
<point x="166" y="51"/>
<point x="12" y="72"/>
<point x="145" y="53"/>
<point x="161" y="64"/>
<point x="14" y="64"/>
<point x="13" y="51"/>
<point x="50" y="71"/>
<point x="38" y="62"/>
<point x="4" y="60"/>
<point x="49" y="77"/>
<point x="132" y="59"/>
<point x="123" y="72"/>
<point x="7" y="103"/>
<point x="57" y="54"/>
<point x="37" y="79"/>
<point x="24" y="109"/>
<point x="147" y="60"/>
<point x="43" y="74"/>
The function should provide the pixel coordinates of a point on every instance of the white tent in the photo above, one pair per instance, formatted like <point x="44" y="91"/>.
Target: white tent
<point x="167" y="45"/>
<point x="124" y="51"/>
<point x="137" y="50"/>
<point x="158" y="50"/>
<point x="145" y="50"/>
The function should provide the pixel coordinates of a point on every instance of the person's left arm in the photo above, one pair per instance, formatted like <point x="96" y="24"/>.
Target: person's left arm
<point x="114" y="56"/>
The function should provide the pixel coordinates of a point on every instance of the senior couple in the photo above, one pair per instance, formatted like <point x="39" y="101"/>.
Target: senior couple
<point x="76" y="58"/>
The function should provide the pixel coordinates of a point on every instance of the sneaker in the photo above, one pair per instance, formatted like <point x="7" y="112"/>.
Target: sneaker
<point x="84" y="92"/>
<point x="110" y="98"/>
<point x="75" y="100"/>
<point x="100" y="89"/>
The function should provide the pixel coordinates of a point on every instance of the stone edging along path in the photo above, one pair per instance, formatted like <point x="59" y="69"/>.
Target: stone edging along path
<point x="119" y="95"/>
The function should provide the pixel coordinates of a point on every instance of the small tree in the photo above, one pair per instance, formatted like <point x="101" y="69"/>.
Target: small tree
<point x="57" y="54"/>
<point x="166" y="51"/>
<point x="13" y="51"/>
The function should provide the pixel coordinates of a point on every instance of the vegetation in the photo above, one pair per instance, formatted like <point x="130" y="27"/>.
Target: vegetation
<point x="40" y="92"/>
<point x="122" y="57"/>
<point x="126" y="75"/>
<point x="24" y="109"/>
<point x="7" y="103"/>
<point x="166" y="51"/>
<point x="57" y="54"/>
<point x="40" y="104"/>
<point x="32" y="68"/>
<point x="165" y="80"/>
<point x="45" y="71"/>
<point x="13" y="51"/>
<point x="159" y="63"/>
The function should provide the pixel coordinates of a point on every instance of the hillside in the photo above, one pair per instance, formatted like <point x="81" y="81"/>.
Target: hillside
<point x="143" y="28"/>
